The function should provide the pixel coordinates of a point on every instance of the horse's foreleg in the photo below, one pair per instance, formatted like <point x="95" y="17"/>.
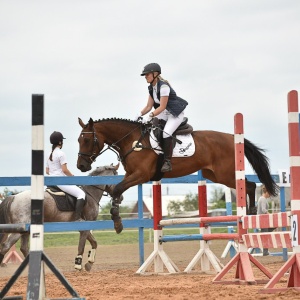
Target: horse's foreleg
<point x="115" y="216"/>
<point x="115" y="211"/>
<point x="120" y="188"/>
<point x="92" y="252"/>
<point x="250" y="190"/>
<point x="81" y="245"/>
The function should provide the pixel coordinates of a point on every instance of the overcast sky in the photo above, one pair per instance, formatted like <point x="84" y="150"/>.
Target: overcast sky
<point x="222" y="56"/>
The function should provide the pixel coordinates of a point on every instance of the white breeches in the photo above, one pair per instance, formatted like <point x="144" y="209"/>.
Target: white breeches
<point x="73" y="190"/>
<point x="172" y="123"/>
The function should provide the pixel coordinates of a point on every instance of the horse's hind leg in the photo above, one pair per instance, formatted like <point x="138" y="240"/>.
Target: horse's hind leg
<point x="92" y="252"/>
<point x="82" y="239"/>
<point x="25" y="244"/>
<point x="2" y="241"/>
<point x="11" y="240"/>
<point x="250" y="190"/>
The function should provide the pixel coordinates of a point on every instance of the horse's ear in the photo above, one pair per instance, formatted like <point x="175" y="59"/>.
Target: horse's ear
<point x="80" y="123"/>
<point x="91" y="122"/>
<point x="117" y="166"/>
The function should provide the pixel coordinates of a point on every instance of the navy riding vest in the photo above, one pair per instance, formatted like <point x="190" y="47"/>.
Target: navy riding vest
<point x="175" y="105"/>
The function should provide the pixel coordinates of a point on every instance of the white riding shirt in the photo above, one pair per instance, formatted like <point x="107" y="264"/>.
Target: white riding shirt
<point x="55" y="169"/>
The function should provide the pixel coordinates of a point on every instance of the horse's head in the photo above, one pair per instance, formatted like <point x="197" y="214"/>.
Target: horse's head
<point x="107" y="171"/>
<point x="89" y="146"/>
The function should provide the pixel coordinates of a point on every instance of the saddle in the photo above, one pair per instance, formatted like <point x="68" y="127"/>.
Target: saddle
<point x="183" y="129"/>
<point x="158" y="126"/>
<point x="64" y="201"/>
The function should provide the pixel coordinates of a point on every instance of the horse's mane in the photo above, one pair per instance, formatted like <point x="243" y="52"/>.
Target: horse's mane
<point x="117" y="120"/>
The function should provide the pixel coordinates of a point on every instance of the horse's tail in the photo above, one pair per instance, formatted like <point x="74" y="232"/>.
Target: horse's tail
<point x="260" y="164"/>
<point x="4" y="214"/>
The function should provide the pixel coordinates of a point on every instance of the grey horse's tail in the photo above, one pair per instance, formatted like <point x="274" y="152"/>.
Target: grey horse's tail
<point x="260" y="164"/>
<point x="5" y="213"/>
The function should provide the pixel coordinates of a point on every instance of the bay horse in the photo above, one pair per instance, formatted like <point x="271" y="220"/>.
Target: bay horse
<point x="17" y="209"/>
<point x="214" y="155"/>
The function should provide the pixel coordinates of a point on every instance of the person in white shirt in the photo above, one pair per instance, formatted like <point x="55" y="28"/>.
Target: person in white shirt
<point x="57" y="166"/>
<point x="167" y="106"/>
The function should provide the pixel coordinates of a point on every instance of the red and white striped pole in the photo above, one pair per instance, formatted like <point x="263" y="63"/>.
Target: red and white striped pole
<point x="293" y="264"/>
<point x="242" y="259"/>
<point x="202" y="196"/>
<point x="294" y="151"/>
<point x="157" y="209"/>
<point x="240" y="173"/>
<point x="158" y="257"/>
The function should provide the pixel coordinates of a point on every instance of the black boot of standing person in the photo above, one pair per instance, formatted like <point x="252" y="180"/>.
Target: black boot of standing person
<point x="168" y="151"/>
<point x="78" y="209"/>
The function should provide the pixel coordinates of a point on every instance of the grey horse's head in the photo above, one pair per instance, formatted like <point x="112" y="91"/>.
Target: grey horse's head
<point x="110" y="170"/>
<point x="105" y="170"/>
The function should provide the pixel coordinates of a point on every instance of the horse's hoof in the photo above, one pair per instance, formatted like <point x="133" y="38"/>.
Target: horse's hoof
<point x="253" y="210"/>
<point x="118" y="226"/>
<point x="78" y="262"/>
<point x="78" y="267"/>
<point x="88" y="266"/>
<point x="3" y="265"/>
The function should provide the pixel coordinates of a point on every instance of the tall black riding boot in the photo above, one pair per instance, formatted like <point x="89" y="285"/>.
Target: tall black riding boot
<point x="168" y="151"/>
<point x="78" y="209"/>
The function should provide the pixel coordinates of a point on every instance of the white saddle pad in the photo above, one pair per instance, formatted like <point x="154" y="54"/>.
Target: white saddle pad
<point x="185" y="149"/>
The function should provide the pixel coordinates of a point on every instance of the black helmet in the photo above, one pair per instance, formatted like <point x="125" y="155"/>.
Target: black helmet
<point x="150" y="68"/>
<point x="56" y="137"/>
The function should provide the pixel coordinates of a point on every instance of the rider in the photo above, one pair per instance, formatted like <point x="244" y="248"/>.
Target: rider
<point x="167" y="106"/>
<point x="57" y="166"/>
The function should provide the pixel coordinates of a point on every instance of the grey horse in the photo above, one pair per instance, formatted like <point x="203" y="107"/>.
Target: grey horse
<point x="17" y="209"/>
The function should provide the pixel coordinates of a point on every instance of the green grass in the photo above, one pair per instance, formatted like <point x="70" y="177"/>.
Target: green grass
<point x="108" y="237"/>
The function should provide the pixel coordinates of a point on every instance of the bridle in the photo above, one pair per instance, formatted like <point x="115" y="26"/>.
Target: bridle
<point x="105" y="190"/>
<point x="91" y="156"/>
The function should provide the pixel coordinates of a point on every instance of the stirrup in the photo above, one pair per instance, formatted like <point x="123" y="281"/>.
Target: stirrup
<point x="167" y="166"/>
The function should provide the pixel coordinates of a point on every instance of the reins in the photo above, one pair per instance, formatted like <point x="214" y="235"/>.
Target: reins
<point x="99" y="188"/>
<point x="138" y="145"/>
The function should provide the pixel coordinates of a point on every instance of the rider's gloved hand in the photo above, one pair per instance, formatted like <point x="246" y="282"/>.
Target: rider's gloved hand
<point x="150" y="118"/>
<point x="138" y="117"/>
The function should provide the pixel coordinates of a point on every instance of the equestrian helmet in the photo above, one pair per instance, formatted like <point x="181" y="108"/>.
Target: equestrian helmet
<point x="56" y="137"/>
<point x="150" y="68"/>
